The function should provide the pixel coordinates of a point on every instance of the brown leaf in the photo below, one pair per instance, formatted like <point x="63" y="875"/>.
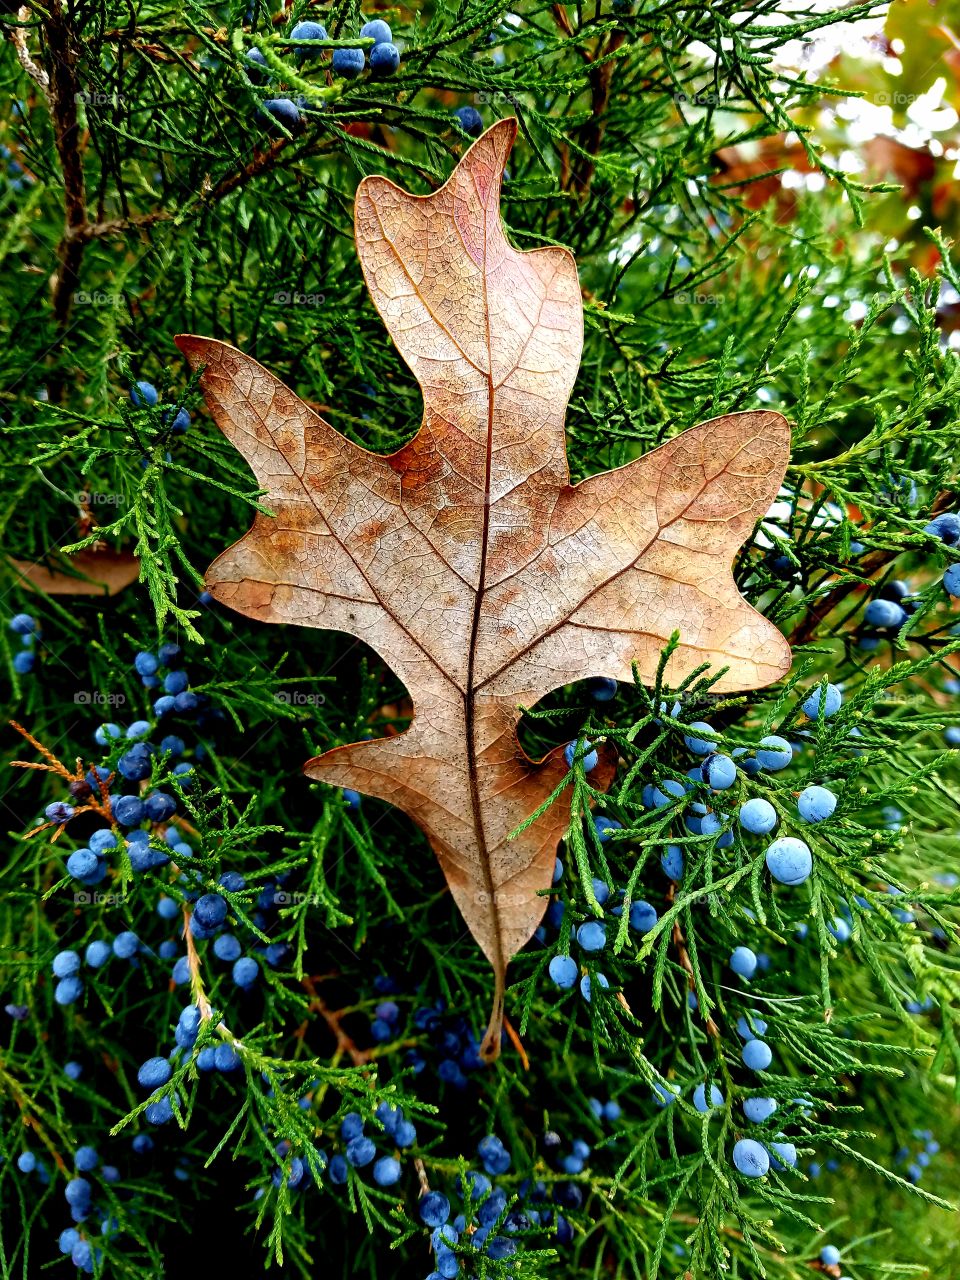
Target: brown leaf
<point x="466" y="559"/>
<point x="913" y="169"/>
<point x="753" y="171"/>
<point x="89" y="572"/>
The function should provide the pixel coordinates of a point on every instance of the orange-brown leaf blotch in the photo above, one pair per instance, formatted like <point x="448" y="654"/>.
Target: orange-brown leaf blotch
<point x="466" y="559"/>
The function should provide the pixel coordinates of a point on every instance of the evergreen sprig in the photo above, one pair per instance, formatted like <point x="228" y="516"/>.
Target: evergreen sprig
<point x="148" y="190"/>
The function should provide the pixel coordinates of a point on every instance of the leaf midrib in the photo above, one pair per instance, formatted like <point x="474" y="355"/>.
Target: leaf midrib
<point x="469" y="698"/>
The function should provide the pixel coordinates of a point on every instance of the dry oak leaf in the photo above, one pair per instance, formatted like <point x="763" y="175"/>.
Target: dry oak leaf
<point x="87" y="572"/>
<point x="466" y="559"/>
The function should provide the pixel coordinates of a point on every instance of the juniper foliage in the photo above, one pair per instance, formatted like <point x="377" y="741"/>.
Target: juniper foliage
<point x="147" y="193"/>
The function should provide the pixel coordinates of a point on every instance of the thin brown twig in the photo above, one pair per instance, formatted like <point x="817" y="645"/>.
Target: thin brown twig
<point x="19" y="40"/>
<point x="54" y="764"/>
<point x="562" y="19"/>
<point x="64" y="92"/>
<point x="25" y="1107"/>
<point x="96" y="805"/>
<point x="115" y="226"/>
<point x="261" y="162"/>
<point x="805" y="630"/>
<point x="421" y="1175"/>
<point x="680" y="942"/>
<point x="688" y="1220"/>
<point x="61" y="826"/>
<point x="591" y="138"/>
<point x="193" y="964"/>
<point x="869" y="565"/>
<point x="345" y="1043"/>
<point x="516" y="1042"/>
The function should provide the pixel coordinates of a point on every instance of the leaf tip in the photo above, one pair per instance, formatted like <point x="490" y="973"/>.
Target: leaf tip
<point x="196" y="350"/>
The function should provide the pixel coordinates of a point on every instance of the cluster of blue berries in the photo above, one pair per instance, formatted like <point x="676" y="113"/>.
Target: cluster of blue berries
<point x="155" y="1073"/>
<point x="349" y="63"/>
<point x="895" y="601"/>
<point x="358" y="1151"/>
<point x="177" y="696"/>
<point x="789" y="859"/>
<point x="79" y="1194"/>
<point x="131" y="757"/>
<point x="209" y="922"/>
<point x="588" y="756"/>
<point x="384" y="60"/>
<point x="591" y="935"/>
<point x="946" y="528"/>
<point x="756" y="1054"/>
<point x="719" y="772"/>
<point x="487" y="1223"/>
<point x="840" y="927"/>
<point x="67" y="965"/>
<point x="28" y="629"/>
<point x="144" y="836"/>
<point x="754" y="1160"/>
<point x="384" y="56"/>
<point x="447" y="1043"/>
<point x="566" y="1196"/>
<point x="918" y="1156"/>
<point x="144" y="395"/>
<point x="750" y="1157"/>
<point x="609" y="1111"/>
<point x="888" y="611"/>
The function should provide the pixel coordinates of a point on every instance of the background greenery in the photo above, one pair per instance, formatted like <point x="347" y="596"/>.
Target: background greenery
<point x="749" y="233"/>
